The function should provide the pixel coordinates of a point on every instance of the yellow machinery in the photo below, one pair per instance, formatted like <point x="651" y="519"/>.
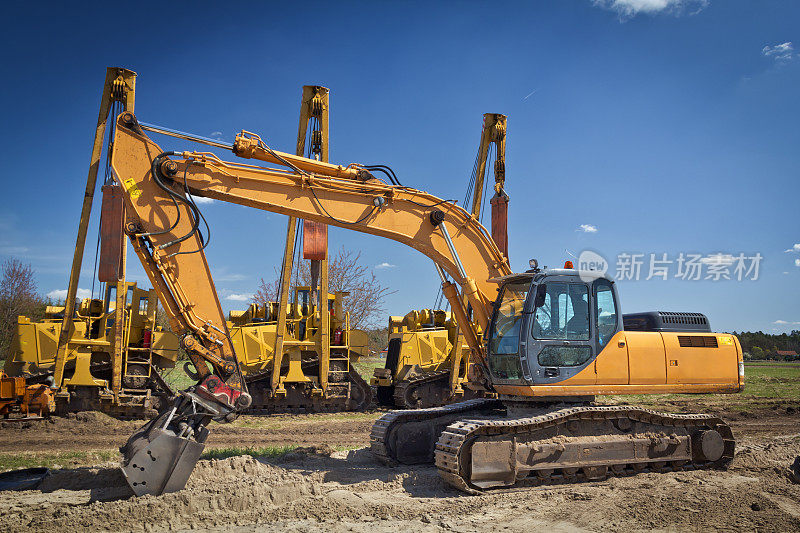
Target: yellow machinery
<point x="115" y="369"/>
<point x="89" y="365"/>
<point x="317" y="348"/>
<point x="20" y="401"/>
<point x="315" y="344"/>
<point x="253" y="334"/>
<point x="101" y="353"/>
<point x="426" y="359"/>
<point x="543" y="343"/>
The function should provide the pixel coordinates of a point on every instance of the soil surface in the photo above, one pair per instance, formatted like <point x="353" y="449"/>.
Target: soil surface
<point x="317" y="489"/>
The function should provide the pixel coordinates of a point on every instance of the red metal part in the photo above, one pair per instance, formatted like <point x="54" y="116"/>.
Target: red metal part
<point x="315" y="240"/>
<point x="500" y="223"/>
<point x="215" y="389"/>
<point x="112" y="215"/>
<point x="147" y="337"/>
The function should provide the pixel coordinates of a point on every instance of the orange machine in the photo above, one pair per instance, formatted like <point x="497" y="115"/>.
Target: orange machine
<point x="542" y="343"/>
<point x="22" y="401"/>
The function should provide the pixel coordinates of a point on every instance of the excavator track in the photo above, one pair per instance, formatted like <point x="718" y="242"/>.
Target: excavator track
<point x="422" y="428"/>
<point x="427" y="390"/>
<point x="423" y="391"/>
<point x="578" y="444"/>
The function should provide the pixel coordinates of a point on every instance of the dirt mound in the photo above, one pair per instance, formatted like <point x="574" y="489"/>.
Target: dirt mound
<point x="316" y="489"/>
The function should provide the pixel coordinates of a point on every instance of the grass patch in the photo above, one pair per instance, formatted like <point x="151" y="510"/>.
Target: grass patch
<point x="772" y="381"/>
<point x="17" y="460"/>
<point x="177" y="378"/>
<point x="367" y="365"/>
<point x="254" y="451"/>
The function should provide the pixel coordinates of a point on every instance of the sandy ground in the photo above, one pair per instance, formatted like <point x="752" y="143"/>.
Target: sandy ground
<point x="319" y="490"/>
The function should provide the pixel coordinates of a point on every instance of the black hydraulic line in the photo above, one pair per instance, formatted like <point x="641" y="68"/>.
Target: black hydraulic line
<point x="392" y="179"/>
<point x="196" y="211"/>
<point x="156" y="177"/>
<point x="440" y="202"/>
<point x="386" y="170"/>
<point x="176" y="197"/>
<point x="371" y="211"/>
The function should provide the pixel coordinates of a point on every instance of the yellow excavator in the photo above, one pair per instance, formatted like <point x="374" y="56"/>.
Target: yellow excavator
<point x="543" y="343"/>
<point x="426" y="359"/>
<point x="109" y="356"/>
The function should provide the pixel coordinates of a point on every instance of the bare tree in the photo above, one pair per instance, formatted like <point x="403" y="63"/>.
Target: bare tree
<point x="18" y="296"/>
<point x="346" y="273"/>
<point x="267" y="291"/>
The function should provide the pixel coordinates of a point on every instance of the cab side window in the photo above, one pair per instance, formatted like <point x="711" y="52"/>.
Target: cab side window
<point x="605" y="311"/>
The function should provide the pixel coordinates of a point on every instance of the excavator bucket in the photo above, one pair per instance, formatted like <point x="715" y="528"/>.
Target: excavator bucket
<point x="159" y="458"/>
<point x="163" y="464"/>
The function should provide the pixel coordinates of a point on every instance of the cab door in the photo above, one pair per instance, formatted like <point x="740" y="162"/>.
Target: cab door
<point x="611" y="365"/>
<point x="560" y="337"/>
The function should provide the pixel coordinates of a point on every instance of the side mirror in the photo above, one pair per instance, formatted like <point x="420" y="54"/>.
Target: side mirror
<point x="541" y="292"/>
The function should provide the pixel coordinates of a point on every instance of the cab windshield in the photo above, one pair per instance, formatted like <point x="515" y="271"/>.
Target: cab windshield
<point x="504" y="336"/>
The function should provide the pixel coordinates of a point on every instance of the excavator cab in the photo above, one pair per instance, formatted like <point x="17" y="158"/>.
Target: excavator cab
<point x="549" y="325"/>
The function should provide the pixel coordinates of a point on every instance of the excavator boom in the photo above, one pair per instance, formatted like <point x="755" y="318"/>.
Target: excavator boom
<point x="163" y="222"/>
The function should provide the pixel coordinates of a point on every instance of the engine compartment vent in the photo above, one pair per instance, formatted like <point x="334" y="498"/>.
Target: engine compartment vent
<point x="666" y="321"/>
<point x="697" y="341"/>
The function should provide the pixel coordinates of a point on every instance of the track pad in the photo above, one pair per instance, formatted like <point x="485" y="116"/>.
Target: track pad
<point x="161" y="465"/>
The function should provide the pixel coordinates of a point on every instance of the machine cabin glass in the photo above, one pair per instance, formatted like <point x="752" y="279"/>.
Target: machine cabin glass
<point x="504" y="360"/>
<point x="605" y="311"/>
<point x="563" y="317"/>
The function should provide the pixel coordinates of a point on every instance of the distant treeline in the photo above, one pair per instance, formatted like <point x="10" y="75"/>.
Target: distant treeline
<point x="760" y="345"/>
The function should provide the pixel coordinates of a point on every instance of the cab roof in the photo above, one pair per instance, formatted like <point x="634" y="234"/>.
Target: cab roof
<point x="584" y="275"/>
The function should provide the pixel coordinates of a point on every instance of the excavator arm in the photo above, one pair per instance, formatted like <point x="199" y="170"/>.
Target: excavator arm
<point x="163" y="222"/>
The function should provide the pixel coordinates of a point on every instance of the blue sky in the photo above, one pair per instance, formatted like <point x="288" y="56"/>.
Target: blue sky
<point x="634" y="126"/>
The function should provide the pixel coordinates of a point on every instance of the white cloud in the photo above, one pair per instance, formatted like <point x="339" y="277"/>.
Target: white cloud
<point x="385" y="265"/>
<point x="14" y="250"/>
<point x="202" y="200"/>
<point x="627" y="9"/>
<point x="587" y="228"/>
<point x="216" y="134"/>
<point x="794" y="248"/>
<point x="61" y="294"/>
<point x="786" y="323"/>
<point x="223" y="273"/>
<point x="239" y="297"/>
<point x="718" y="259"/>
<point x="779" y="52"/>
<point x="797" y="262"/>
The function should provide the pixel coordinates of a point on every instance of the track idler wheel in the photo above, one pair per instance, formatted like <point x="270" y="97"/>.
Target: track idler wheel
<point x="708" y="445"/>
